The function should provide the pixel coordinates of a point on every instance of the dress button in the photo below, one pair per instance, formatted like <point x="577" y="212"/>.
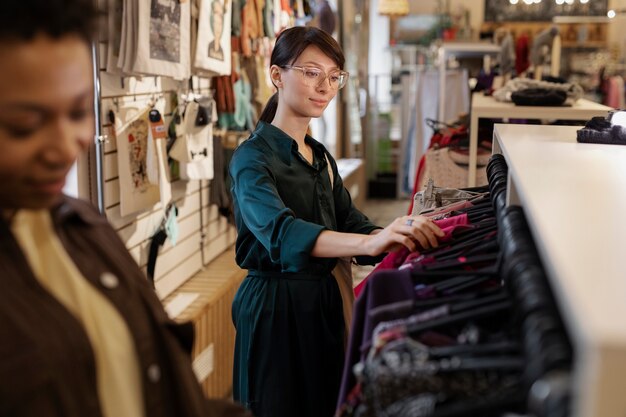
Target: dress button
<point x="108" y="280"/>
<point x="154" y="373"/>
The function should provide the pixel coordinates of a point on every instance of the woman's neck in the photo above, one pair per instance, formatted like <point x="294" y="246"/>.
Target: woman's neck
<point x="296" y="127"/>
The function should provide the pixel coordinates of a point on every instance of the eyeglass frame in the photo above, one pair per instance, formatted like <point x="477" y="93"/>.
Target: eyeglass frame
<point x="326" y="75"/>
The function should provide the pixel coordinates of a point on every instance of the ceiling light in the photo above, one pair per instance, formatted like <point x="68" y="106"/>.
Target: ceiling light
<point x="584" y="1"/>
<point x="611" y="14"/>
<point x="393" y="7"/>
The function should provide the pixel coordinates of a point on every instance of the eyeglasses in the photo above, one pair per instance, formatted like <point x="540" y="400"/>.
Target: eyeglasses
<point x="314" y="77"/>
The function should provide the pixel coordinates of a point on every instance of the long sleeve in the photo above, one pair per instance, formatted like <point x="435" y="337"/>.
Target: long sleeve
<point x="287" y="239"/>
<point x="349" y="218"/>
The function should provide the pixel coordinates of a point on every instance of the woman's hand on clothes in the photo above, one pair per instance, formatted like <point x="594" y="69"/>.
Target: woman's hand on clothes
<point x="407" y="231"/>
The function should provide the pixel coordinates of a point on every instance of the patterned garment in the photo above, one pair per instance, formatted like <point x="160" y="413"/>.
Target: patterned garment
<point x="402" y="379"/>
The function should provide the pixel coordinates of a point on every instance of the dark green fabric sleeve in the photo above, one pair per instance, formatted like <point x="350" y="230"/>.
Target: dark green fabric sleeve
<point x="288" y="240"/>
<point x="349" y="218"/>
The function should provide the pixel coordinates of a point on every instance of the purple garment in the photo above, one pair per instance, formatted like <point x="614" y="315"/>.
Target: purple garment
<point x="383" y="287"/>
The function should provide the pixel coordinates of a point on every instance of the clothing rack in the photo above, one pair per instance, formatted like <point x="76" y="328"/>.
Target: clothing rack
<point x="488" y="278"/>
<point x="546" y="344"/>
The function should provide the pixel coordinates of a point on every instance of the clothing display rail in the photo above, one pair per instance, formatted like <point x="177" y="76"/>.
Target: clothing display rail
<point x="468" y="328"/>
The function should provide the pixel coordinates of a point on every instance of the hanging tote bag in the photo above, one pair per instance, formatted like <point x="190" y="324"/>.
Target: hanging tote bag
<point x="343" y="275"/>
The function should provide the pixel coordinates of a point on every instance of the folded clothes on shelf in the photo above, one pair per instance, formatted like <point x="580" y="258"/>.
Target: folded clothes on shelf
<point x="600" y="130"/>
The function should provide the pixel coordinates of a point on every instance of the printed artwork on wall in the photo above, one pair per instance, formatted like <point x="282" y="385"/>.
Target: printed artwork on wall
<point x="216" y="20"/>
<point x="213" y="44"/>
<point x="137" y="138"/>
<point x="136" y="191"/>
<point x="163" y="40"/>
<point x="165" y="30"/>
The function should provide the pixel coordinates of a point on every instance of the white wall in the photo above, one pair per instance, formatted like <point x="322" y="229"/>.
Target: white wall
<point x="379" y="55"/>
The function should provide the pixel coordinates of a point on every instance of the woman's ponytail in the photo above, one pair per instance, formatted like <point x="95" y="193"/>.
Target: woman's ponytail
<point x="269" y="112"/>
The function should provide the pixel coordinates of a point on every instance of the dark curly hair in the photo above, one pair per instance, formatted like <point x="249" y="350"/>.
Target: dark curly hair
<point x="23" y="19"/>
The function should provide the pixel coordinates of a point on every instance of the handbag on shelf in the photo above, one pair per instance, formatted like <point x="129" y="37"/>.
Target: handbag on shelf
<point x="193" y="142"/>
<point x="194" y="146"/>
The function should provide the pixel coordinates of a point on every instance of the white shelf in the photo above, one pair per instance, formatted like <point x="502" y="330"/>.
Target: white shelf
<point x="468" y="49"/>
<point x="488" y="107"/>
<point x="574" y="197"/>
<point x="581" y="19"/>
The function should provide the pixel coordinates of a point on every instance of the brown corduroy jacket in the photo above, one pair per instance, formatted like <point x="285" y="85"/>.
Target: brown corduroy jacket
<point x="47" y="366"/>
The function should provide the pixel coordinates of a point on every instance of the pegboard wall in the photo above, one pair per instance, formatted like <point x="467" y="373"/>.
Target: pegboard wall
<point x="203" y="233"/>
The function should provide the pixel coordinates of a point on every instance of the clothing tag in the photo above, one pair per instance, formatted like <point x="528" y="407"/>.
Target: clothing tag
<point x="171" y="226"/>
<point x="157" y="127"/>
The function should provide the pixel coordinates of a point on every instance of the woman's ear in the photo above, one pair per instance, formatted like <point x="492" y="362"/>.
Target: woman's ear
<point x="275" y="76"/>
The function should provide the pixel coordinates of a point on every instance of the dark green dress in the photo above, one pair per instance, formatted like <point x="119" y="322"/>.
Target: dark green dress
<point x="288" y="312"/>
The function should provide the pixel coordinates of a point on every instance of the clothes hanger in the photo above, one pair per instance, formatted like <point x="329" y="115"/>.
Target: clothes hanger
<point x="418" y="275"/>
<point x="498" y="308"/>
<point x="497" y="363"/>
<point x="505" y="346"/>
<point x="470" y="283"/>
<point x="462" y="261"/>
<point x="459" y="307"/>
<point x="462" y="249"/>
<point x="479" y="232"/>
<point x="458" y="247"/>
<point x="512" y="399"/>
<point x="425" y="304"/>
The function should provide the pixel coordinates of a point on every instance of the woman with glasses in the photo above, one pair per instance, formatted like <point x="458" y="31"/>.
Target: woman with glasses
<point x="294" y="219"/>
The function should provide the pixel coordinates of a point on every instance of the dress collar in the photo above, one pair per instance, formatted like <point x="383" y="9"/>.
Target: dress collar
<point x="284" y="145"/>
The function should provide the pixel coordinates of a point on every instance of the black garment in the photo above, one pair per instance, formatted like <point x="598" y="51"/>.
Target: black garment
<point x="218" y="193"/>
<point x="158" y="239"/>
<point x="539" y="97"/>
<point x="600" y="130"/>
